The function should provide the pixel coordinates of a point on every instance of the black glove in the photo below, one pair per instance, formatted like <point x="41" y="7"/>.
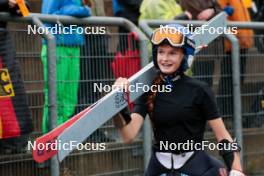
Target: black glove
<point x="227" y="152"/>
<point x="126" y="115"/>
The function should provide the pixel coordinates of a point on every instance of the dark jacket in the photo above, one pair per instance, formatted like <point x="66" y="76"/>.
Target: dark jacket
<point x="128" y="9"/>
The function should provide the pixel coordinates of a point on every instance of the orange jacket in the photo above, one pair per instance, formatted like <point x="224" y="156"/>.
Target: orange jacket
<point x="245" y="36"/>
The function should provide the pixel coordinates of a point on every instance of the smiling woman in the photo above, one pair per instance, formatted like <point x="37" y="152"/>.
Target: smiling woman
<point x="180" y="115"/>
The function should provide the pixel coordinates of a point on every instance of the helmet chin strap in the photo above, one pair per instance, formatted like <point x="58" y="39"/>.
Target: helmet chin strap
<point x="169" y="79"/>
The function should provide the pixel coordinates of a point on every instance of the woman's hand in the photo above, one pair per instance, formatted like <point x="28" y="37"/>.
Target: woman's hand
<point x="223" y="172"/>
<point x="122" y="83"/>
<point x="236" y="173"/>
<point x="12" y="3"/>
<point x="206" y="14"/>
<point x="236" y="164"/>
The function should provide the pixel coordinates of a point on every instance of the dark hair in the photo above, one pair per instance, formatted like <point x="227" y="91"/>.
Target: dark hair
<point x="152" y="95"/>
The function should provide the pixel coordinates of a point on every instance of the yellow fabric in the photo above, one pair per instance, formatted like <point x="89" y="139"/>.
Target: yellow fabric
<point x="7" y="89"/>
<point x="241" y="13"/>
<point x="159" y="9"/>
<point x="248" y="3"/>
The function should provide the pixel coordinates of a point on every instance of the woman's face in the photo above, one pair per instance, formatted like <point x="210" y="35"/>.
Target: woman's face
<point x="169" y="58"/>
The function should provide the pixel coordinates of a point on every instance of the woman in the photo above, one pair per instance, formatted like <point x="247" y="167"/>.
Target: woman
<point x="178" y="116"/>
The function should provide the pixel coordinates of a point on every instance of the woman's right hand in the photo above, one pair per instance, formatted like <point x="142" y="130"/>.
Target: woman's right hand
<point x="122" y="83"/>
<point x="131" y="130"/>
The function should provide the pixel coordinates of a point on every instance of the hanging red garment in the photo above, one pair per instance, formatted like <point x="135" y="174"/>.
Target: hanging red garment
<point x="15" y="117"/>
<point x="127" y="64"/>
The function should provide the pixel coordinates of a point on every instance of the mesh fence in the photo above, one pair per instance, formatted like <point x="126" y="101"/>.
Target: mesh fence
<point x="214" y="66"/>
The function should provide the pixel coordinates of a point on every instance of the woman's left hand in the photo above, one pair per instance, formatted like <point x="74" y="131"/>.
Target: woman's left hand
<point x="223" y="172"/>
<point x="236" y="173"/>
<point x="236" y="163"/>
<point x="221" y="133"/>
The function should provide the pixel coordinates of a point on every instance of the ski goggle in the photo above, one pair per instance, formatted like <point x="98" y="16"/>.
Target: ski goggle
<point x="175" y="37"/>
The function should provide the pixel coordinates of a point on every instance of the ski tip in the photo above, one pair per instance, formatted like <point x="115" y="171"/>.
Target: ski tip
<point x="43" y="150"/>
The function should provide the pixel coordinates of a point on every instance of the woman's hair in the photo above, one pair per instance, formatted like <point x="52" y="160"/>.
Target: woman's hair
<point x="152" y="95"/>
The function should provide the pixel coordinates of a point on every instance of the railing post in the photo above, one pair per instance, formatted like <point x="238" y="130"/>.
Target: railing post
<point x="147" y="134"/>
<point x="51" y="56"/>
<point x="237" y="119"/>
